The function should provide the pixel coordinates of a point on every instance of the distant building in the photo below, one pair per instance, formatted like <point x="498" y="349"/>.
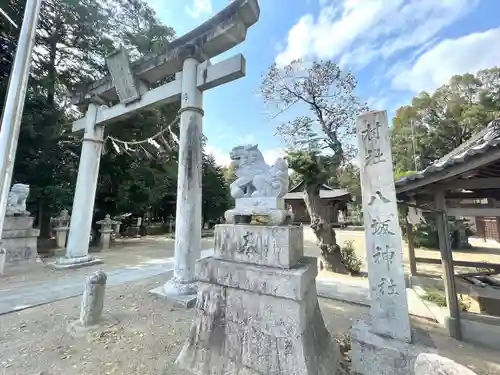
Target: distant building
<point x="334" y="200"/>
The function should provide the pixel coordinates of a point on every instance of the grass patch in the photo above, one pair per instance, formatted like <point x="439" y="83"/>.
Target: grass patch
<point x="438" y="297"/>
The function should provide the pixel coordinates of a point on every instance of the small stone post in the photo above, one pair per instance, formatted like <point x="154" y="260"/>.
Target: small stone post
<point x="171" y="224"/>
<point x="93" y="299"/>
<point x="106" y="230"/>
<point x="117" y="229"/>
<point x="3" y="258"/>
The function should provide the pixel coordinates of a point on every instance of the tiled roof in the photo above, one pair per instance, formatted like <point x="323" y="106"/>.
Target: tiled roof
<point x="300" y="187"/>
<point x="334" y="193"/>
<point x="479" y="143"/>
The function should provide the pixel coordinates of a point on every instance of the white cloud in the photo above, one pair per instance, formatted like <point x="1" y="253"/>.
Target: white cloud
<point x="221" y="156"/>
<point x="272" y="154"/>
<point x="199" y="7"/>
<point x="359" y="31"/>
<point x="377" y="102"/>
<point x="247" y="139"/>
<point x="433" y="68"/>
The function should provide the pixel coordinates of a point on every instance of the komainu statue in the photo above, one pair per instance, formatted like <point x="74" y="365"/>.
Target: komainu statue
<point x="259" y="188"/>
<point x="255" y="177"/>
<point x="16" y="202"/>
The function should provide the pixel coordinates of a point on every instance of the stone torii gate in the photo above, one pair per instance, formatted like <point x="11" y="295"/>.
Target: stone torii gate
<point x="188" y="58"/>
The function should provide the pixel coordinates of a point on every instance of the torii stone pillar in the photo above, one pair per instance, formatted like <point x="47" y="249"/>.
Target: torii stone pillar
<point x="188" y="210"/>
<point x="83" y="202"/>
<point x="133" y="86"/>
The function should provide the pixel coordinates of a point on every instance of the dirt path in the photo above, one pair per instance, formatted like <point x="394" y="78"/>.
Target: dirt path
<point x="123" y="254"/>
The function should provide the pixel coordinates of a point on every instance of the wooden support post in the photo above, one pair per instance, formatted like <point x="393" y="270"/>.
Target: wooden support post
<point x="411" y="249"/>
<point x="448" y="270"/>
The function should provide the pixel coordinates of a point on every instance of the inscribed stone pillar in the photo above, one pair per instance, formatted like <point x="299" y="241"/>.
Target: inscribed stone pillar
<point x="380" y="343"/>
<point x="188" y="210"/>
<point x="86" y="185"/>
<point x="384" y="253"/>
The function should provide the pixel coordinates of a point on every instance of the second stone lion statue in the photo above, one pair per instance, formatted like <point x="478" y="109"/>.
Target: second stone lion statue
<point x="254" y="177"/>
<point x="16" y="202"/>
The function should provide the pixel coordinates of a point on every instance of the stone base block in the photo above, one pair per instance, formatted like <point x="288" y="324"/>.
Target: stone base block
<point x="269" y="210"/>
<point x="68" y="263"/>
<point x="376" y="355"/>
<point x="241" y="332"/>
<point x="186" y="301"/>
<point x="19" y="239"/>
<point x="59" y="252"/>
<point x="276" y="246"/>
<point x="18" y="222"/>
<point x="294" y="283"/>
<point x="269" y="217"/>
<point x="259" y="204"/>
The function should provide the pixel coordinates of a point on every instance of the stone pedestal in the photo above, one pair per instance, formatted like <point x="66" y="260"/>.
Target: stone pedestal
<point x="378" y="355"/>
<point x="257" y="308"/>
<point x="61" y="237"/>
<point x="266" y="210"/>
<point x="105" y="239"/>
<point x="19" y="239"/>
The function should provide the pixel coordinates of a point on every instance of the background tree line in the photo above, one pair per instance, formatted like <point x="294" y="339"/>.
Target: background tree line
<point x="73" y="37"/>
<point x="436" y="123"/>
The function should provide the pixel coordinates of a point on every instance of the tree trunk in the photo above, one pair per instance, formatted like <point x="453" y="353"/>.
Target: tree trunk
<point x="331" y="258"/>
<point x="44" y="220"/>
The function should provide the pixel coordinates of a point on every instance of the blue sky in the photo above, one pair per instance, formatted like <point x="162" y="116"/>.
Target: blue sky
<point x="395" y="48"/>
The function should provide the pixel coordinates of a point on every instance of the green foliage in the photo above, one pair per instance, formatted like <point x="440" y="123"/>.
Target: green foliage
<point x="426" y="234"/>
<point x="216" y="197"/>
<point x="229" y="174"/>
<point x="294" y="179"/>
<point x="311" y="166"/>
<point x="400" y="174"/>
<point x="438" y="297"/>
<point x="352" y="262"/>
<point x="73" y="37"/>
<point x="436" y="123"/>
<point x="347" y="177"/>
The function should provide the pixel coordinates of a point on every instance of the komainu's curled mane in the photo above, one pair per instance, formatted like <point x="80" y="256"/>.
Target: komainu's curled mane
<point x="255" y="177"/>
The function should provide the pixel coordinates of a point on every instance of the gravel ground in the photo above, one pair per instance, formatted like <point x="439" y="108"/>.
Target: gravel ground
<point x="133" y="252"/>
<point x="124" y="253"/>
<point x="148" y="335"/>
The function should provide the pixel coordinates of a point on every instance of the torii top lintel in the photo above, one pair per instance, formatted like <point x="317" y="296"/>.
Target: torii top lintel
<point x="220" y="33"/>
